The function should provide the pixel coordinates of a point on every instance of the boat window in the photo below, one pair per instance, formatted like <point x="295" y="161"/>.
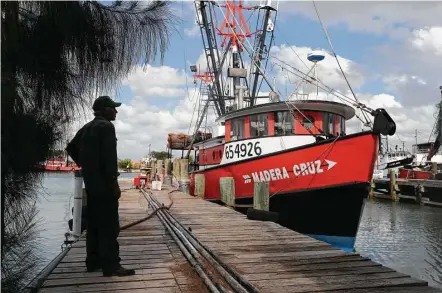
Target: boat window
<point x="341" y="125"/>
<point x="258" y="125"/>
<point x="331" y="124"/>
<point x="326" y="123"/>
<point x="308" y="121"/>
<point x="283" y="123"/>
<point x="237" y="128"/>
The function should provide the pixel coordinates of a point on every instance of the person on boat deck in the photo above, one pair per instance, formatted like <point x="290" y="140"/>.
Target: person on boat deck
<point x="94" y="149"/>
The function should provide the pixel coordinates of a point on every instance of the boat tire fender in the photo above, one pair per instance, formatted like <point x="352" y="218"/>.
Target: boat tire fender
<point x="259" y="215"/>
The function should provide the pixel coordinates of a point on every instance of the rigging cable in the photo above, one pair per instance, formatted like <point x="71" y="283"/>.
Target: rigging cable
<point x="330" y="90"/>
<point x="368" y="122"/>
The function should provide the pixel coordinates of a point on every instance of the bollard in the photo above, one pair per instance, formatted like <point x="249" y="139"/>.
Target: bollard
<point x="184" y="182"/>
<point x="261" y="196"/>
<point x="393" y="185"/>
<point x="159" y="171"/>
<point x="200" y="182"/>
<point x="168" y="172"/>
<point x="78" y="203"/>
<point x="227" y="189"/>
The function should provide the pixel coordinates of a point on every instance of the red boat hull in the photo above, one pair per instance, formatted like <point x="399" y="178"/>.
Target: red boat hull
<point x="347" y="160"/>
<point x="326" y="200"/>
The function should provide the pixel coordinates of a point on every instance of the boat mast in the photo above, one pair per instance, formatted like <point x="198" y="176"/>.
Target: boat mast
<point x="207" y="28"/>
<point x="260" y="51"/>
<point x="234" y="30"/>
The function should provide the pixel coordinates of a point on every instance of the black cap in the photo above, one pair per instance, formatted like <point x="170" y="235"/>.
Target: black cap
<point x="104" y="101"/>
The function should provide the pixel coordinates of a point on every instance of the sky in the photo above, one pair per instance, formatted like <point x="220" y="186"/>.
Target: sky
<point x="390" y="51"/>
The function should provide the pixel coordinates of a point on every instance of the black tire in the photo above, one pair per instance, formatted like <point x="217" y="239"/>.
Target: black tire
<point x="258" y="215"/>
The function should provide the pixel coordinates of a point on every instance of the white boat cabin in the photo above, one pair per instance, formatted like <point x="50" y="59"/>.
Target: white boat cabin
<point x="269" y="128"/>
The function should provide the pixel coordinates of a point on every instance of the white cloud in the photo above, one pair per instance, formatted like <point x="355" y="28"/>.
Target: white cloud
<point x="381" y="17"/>
<point x="154" y="82"/>
<point x="192" y="32"/>
<point x="428" y="40"/>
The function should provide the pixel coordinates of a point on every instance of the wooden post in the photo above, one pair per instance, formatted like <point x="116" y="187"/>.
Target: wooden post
<point x="200" y="184"/>
<point x="372" y="187"/>
<point x="159" y="169"/>
<point x="434" y="168"/>
<point x="261" y="196"/>
<point x="393" y="185"/>
<point x="168" y="172"/>
<point x="184" y="181"/>
<point x="176" y="169"/>
<point x="227" y="188"/>
<point x="152" y="170"/>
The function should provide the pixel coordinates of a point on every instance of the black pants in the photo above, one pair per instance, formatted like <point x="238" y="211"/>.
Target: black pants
<point x="103" y="228"/>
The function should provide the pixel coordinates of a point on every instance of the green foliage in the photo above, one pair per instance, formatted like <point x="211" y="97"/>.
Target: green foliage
<point x="56" y="57"/>
<point x="124" y="163"/>
<point x="160" y="155"/>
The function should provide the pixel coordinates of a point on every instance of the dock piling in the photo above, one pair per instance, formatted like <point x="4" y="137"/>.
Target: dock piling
<point x="176" y="169"/>
<point x="372" y="188"/>
<point x="159" y="171"/>
<point x="261" y="196"/>
<point x="200" y="182"/>
<point x="168" y="172"/>
<point x="184" y="181"/>
<point x="393" y="185"/>
<point x="152" y="170"/>
<point x="227" y="189"/>
<point x="434" y="168"/>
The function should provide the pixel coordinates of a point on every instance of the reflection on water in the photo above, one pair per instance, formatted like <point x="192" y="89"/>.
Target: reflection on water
<point x="404" y="237"/>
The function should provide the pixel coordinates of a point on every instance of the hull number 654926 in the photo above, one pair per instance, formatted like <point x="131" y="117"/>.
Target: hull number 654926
<point x="243" y="150"/>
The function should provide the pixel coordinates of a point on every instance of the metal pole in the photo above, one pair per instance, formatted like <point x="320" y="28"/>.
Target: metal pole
<point x="78" y="203"/>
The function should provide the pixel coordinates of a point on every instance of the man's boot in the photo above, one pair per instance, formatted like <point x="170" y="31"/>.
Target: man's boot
<point x="118" y="271"/>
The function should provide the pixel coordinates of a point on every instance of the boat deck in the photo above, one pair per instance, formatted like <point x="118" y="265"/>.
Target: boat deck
<point x="271" y="257"/>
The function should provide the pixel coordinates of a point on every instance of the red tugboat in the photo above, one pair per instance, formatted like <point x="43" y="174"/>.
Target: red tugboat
<point x="318" y="174"/>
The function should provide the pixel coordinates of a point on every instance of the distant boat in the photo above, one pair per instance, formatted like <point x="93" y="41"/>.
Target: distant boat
<point x="59" y="165"/>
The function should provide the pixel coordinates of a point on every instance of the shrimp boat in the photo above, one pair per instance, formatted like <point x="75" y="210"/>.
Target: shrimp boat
<point x="318" y="174"/>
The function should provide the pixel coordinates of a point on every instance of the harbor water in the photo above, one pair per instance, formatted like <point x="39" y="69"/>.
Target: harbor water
<point x="404" y="237"/>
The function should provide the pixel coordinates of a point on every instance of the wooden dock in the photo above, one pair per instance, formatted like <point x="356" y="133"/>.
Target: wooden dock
<point x="271" y="257"/>
<point x="421" y="191"/>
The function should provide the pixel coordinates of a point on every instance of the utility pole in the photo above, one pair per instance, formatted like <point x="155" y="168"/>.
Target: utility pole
<point x="415" y="135"/>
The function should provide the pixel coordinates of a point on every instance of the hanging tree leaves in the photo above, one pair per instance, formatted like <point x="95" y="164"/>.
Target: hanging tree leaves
<point x="56" y="56"/>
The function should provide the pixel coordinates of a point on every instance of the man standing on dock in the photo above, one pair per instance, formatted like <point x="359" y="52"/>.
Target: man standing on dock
<point x="94" y="149"/>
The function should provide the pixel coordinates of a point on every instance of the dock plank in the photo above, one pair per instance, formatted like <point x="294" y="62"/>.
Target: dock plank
<point x="271" y="257"/>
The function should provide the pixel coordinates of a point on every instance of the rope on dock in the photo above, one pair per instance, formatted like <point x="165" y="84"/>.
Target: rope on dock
<point x="189" y="243"/>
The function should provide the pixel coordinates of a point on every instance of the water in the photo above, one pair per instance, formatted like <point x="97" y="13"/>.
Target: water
<point x="55" y="206"/>
<point x="404" y="237"/>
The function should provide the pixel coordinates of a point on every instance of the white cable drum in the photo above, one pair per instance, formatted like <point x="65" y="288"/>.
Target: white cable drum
<point x="78" y="204"/>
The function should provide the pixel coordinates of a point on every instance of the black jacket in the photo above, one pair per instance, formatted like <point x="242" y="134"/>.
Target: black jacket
<point x="94" y="149"/>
